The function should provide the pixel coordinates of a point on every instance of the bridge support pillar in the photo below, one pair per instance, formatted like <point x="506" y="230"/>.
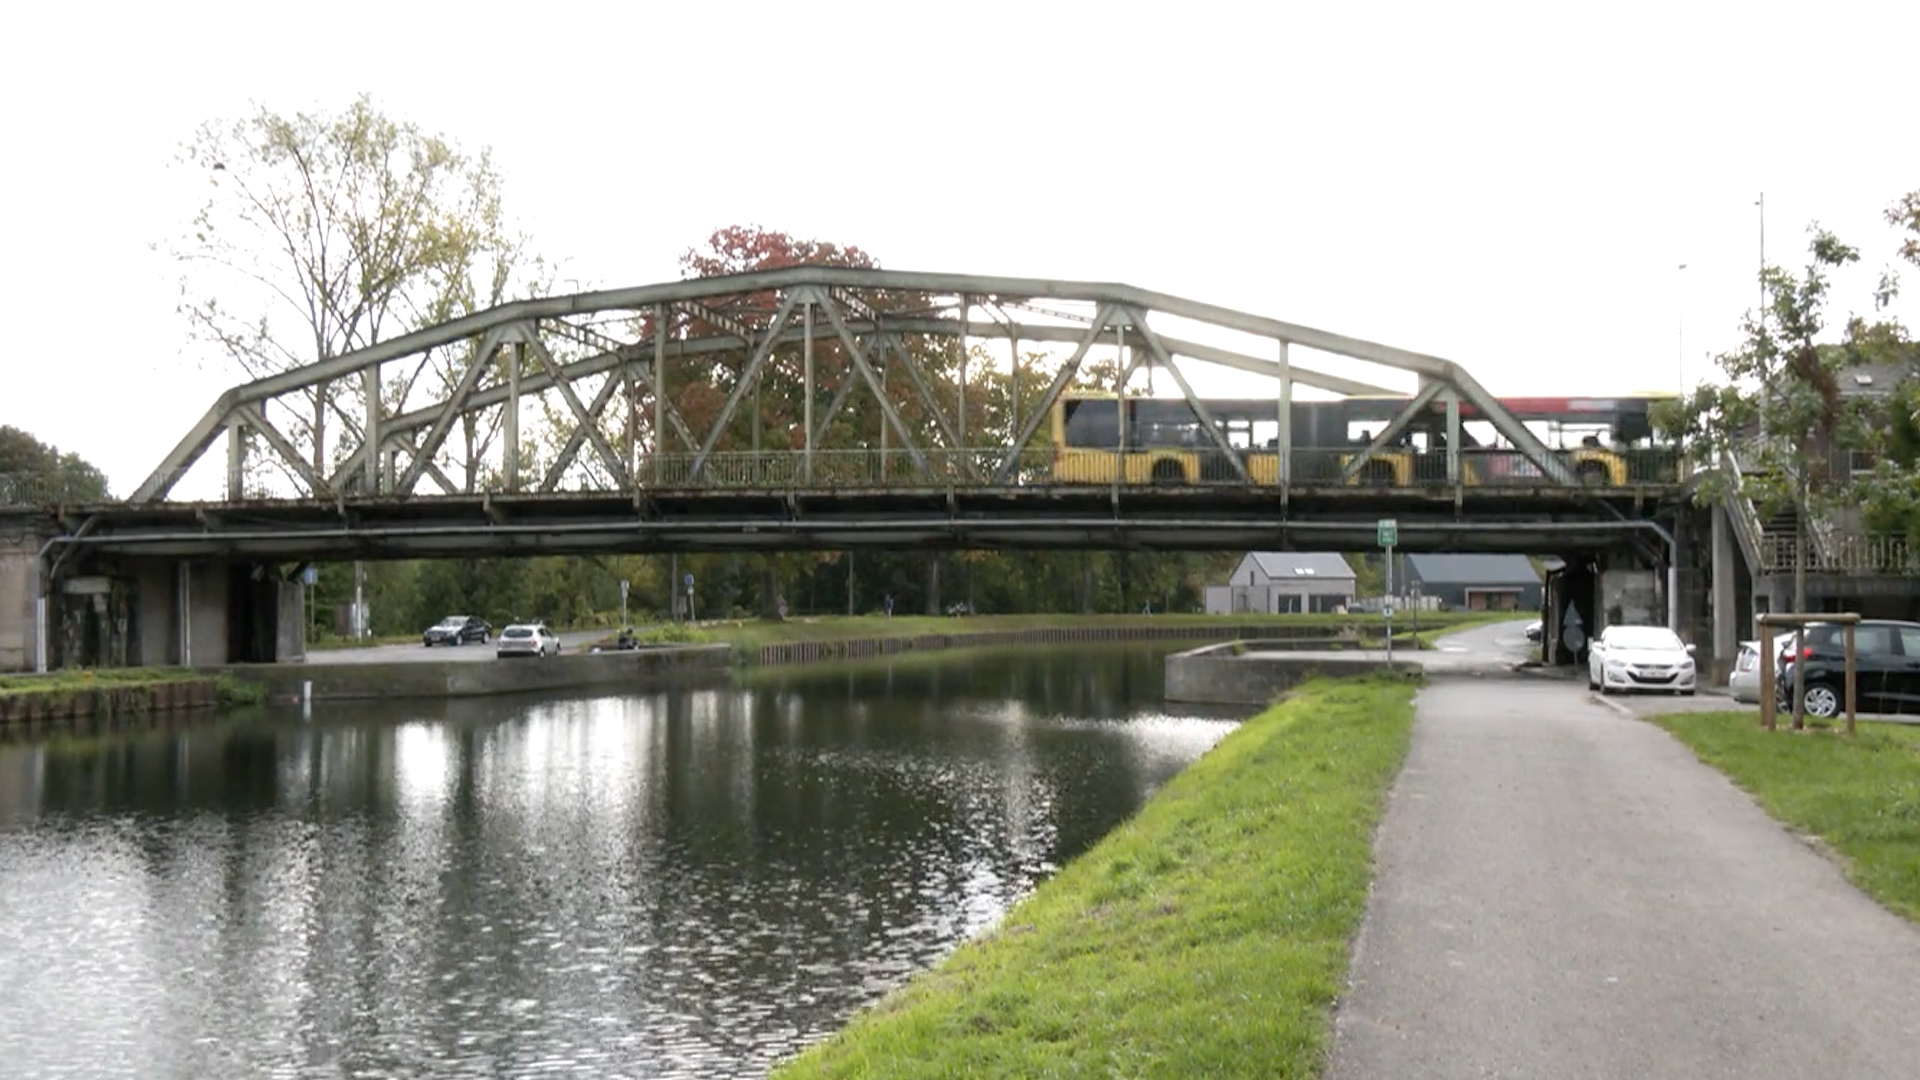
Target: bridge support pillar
<point x="1567" y="623"/>
<point x="1630" y="594"/>
<point x="1726" y="591"/>
<point x="20" y="635"/>
<point x="204" y="614"/>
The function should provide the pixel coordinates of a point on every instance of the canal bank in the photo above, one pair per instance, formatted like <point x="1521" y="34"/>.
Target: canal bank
<point x="625" y="670"/>
<point x="1207" y="936"/>
<point x="718" y="647"/>
<point x="88" y="701"/>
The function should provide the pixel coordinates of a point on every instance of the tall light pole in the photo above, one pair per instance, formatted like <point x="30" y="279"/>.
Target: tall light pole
<point x="1681" y="324"/>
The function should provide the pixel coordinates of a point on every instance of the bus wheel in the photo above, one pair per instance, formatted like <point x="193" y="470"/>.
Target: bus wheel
<point x="1593" y="474"/>
<point x="1377" y="473"/>
<point x="1168" y="471"/>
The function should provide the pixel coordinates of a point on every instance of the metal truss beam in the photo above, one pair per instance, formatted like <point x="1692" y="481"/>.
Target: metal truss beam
<point x="1394" y="427"/>
<point x="904" y="357"/>
<point x="571" y="451"/>
<point x="587" y="421"/>
<point x="1060" y="382"/>
<point x="748" y="375"/>
<point x="842" y="285"/>
<point x="428" y="447"/>
<point x="859" y="359"/>
<point x="1158" y="350"/>
<point x="256" y="419"/>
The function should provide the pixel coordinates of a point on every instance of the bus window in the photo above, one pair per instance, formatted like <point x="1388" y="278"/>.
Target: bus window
<point x="1091" y="423"/>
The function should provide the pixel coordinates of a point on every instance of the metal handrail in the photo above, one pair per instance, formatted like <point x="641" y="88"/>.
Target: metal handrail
<point x="1853" y="554"/>
<point x="31" y="490"/>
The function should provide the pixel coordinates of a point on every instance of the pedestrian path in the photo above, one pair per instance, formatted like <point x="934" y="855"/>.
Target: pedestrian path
<point x="1564" y="892"/>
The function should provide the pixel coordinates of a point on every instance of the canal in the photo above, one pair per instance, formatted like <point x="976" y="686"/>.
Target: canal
<point x="693" y="882"/>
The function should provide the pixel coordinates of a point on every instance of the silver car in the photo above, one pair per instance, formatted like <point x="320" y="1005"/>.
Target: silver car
<point x="527" y="639"/>
<point x="1744" y="683"/>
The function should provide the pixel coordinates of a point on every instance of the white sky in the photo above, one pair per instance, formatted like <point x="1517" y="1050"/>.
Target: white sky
<point x="1508" y="185"/>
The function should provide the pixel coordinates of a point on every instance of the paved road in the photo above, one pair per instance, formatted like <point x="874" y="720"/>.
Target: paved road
<point x="415" y="652"/>
<point x="1566" y="892"/>
<point x="1492" y="649"/>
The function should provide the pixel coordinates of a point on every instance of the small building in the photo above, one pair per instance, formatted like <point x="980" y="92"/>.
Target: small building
<point x="1276" y="582"/>
<point x="1471" y="582"/>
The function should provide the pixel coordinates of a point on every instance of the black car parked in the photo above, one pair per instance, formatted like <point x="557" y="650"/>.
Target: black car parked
<point x="1886" y="667"/>
<point x="457" y="630"/>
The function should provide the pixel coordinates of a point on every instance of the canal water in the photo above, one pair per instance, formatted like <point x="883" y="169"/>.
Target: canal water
<point x="686" y="883"/>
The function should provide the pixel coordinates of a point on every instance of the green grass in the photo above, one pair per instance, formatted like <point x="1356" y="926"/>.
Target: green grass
<point x="1859" y="795"/>
<point x="92" y="679"/>
<point x="1208" y="936"/>
<point x="230" y="691"/>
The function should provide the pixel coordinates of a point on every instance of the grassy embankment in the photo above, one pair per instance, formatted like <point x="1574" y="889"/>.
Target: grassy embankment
<point x="1860" y="796"/>
<point x="65" y="684"/>
<point x="1208" y="936"/>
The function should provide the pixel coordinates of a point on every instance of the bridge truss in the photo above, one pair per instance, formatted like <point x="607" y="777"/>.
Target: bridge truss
<point x="650" y="384"/>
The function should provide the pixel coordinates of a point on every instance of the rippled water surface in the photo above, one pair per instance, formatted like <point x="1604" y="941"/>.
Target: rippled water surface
<point x="684" y="883"/>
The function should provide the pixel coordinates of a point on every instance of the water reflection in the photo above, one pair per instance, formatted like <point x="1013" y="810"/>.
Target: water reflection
<point x="685" y="883"/>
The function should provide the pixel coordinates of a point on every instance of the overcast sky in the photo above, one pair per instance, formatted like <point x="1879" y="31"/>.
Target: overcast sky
<point x="1511" y="186"/>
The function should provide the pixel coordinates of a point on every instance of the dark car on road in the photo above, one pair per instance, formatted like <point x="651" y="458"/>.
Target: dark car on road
<point x="457" y="630"/>
<point x="1886" y="667"/>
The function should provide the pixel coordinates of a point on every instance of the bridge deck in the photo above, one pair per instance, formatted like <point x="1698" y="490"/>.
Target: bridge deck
<point x="1502" y="519"/>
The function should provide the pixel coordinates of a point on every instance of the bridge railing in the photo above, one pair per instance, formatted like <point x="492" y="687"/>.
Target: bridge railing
<point x="893" y="469"/>
<point x="35" y="490"/>
<point x="1867" y="554"/>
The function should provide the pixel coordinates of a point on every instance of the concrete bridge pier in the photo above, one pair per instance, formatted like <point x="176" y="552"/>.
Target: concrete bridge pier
<point x="19" y="591"/>
<point x="144" y="613"/>
<point x="208" y="613"/>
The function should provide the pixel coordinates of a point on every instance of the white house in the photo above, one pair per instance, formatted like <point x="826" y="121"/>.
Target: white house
<point x="1271" y="582"/>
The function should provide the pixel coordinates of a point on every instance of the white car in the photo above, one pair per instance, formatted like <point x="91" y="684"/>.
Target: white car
<point x="527" y="639"/>
<point x="1640" y="658"/>
<point x="1744" y="683"/>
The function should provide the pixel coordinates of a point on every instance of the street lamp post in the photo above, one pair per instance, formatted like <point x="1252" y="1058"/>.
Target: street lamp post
<point x="1680" y="320"/>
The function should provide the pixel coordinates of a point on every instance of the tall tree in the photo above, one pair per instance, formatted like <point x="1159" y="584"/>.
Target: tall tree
<point x="33" y="471"/>
<point x="777" y="410"/>
<point x="326" y="233"/>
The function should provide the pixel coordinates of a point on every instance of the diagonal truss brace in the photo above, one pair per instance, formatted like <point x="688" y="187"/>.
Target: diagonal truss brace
<point x="1523" y="440"/>
<point x="617" y="359"/>
<point x="429" y="447"/>
<point x="1394" y="427"/>
<point x="570" y="451"/>
<point x="1044" y="408"/>
<point x="585" y="420"/>
<point x="891" y="343"/>
<point x="256" y="418"/>
<point x="748" y="375"/>
<point x="1158" y="349"/>
<point x="859" y="359"/>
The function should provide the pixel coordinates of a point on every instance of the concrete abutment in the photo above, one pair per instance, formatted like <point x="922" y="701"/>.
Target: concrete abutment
<point x="142" y="612"/>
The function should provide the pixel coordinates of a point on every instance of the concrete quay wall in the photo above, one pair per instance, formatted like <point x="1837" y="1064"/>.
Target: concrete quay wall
<point x="442" y="679"/>
<point x="1223" y="675"/>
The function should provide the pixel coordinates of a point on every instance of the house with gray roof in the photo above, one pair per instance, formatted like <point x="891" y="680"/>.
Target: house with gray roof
<point x="1276" y="582"/>
<point x="1470" y="582"/>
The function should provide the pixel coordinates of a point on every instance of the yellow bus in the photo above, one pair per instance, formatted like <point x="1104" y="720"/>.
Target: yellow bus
<point x="1601" y="439"/>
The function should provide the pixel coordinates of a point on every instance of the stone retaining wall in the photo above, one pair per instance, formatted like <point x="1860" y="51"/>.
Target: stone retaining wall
<point x="1219" y="675"/>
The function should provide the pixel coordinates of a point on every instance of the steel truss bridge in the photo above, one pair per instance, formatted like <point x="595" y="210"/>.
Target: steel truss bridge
<point x="413" y="447"/>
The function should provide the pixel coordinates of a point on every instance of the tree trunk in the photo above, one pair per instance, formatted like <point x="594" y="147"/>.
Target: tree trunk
<point x="319" y="433"/>
<point x="1086" y="583"/>
<point x="933" y="584"/>
<point x="771" y="605"/>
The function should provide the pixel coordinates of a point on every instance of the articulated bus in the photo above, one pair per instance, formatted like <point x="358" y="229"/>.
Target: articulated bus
<point x="1603" y="440"/>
